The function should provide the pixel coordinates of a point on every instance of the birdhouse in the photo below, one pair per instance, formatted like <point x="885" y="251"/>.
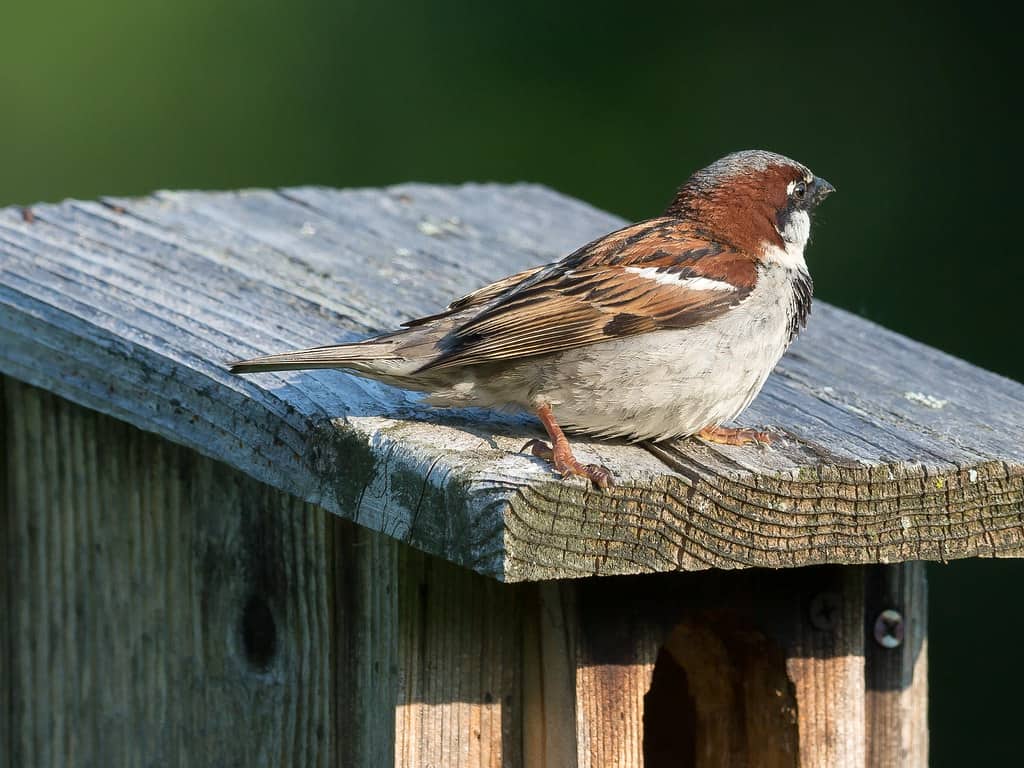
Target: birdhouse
<point x="309" y="568"/>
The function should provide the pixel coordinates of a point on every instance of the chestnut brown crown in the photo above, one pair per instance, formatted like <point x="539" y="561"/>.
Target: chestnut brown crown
<point x="746" y="198"/>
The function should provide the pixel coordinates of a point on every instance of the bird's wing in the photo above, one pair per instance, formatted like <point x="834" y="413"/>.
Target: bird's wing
<point x="478" y="297"/>
<point x="654" y="275"/>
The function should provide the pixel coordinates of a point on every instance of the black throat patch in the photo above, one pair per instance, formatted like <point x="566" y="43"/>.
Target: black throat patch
<point x="800" y="306"/>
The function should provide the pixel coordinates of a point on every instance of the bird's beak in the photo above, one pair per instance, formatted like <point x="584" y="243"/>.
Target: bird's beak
<point x="822" y="189"/>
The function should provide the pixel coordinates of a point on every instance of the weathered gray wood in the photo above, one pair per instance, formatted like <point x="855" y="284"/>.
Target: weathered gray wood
<point x="163" y="609"/>
<point x="7" y="605"/>
<point x="160" y="609"/>
<point x="887" y="450"/>
<point x="363" y="622"/>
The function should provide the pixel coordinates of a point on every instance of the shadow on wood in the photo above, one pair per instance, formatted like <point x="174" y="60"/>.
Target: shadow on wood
<point x="755" y="667"/>
<point x="720" y="696"/>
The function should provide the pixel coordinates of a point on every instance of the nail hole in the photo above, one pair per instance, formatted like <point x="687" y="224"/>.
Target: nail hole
<point x="259" y="633"/>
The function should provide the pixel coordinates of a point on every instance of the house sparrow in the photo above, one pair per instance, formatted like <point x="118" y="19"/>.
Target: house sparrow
<point x="666" y="328"/>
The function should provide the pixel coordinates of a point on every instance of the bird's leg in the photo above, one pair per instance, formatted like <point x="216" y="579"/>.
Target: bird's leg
<point x="730" y="436"/>
<point x="559" y="453"/>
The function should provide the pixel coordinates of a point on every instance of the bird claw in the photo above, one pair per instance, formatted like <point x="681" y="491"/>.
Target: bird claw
<point x="539" y="448"/>
<point x="568" y="466"/>
<point x="730" y="436"/>
<point x="599" y="475"/>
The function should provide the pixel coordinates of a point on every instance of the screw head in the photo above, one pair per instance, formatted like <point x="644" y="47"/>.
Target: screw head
<point x="824" y="610"/>
<point x="889" y="628"/>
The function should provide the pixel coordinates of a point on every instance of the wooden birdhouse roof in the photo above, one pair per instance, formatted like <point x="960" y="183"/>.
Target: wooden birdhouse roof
<point x="886" y="450"/>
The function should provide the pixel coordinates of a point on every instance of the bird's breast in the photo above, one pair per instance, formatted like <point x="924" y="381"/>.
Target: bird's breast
<point x="675" y="382"/>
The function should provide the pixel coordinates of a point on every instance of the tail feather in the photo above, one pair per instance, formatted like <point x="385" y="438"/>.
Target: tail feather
<point x="339" y="356"/>
<point x="392" y="357"/>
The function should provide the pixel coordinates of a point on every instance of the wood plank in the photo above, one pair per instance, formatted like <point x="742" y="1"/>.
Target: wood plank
<point x="887" y="451"/>
<point x="200" y="617"/>
<point x="549" y="678"/>
<point x="592" y="665"/>
<point x="756" y="668"/>
<point x="896" y="656"/>
<point x="162" y="609"/>
<point x="614" y="659"/>
<point x="7" y="602"/>
<point x="363" y="622"/>
<point x="825" y="661"/>
<point x="459" y="655"/>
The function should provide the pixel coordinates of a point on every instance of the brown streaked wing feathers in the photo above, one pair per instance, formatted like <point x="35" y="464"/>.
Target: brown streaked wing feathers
<point x="590" y="296"/>
<point x="478" y="297"/>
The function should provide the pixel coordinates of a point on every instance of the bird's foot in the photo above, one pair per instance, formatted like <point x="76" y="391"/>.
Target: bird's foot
<point x="730" y="436"/>
<point x="566" y="464"/>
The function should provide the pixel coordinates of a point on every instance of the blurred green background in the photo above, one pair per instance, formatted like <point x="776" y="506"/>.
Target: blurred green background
<point x="913" y="115"/>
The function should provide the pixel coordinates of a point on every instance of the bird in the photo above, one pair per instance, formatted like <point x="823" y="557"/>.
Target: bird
<point x="663" y="329"/>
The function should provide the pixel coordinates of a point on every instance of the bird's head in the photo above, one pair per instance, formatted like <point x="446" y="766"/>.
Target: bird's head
<point x="758" y="201"/>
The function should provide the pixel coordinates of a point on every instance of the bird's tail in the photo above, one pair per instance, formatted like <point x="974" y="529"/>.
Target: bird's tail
<point x="365" y="356"/>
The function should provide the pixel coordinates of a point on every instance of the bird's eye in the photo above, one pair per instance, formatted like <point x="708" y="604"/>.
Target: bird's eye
<point x="799" y="190"/>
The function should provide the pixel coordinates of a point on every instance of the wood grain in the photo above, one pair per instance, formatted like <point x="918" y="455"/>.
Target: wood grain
<point x="826" y="664"/>
<point x="549" y="677"/>
<point x="614" y="659"/>
<point x="751" y="668"/>
<point x="897" y="678"/>
<point x="363" y="622"/>
<point x="746" y="711"/>
<point x="886" y="451"/>
<point x="7" y="596"/>
<point x="459" y="654"/>
<point x="162" y="608"/>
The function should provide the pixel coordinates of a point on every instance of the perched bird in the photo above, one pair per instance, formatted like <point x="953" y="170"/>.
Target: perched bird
<point x="666" y="328"/>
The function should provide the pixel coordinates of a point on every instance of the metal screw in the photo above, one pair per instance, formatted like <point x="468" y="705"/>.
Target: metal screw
<point x="889" y="628"/>
<point x="824" y="610"/>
